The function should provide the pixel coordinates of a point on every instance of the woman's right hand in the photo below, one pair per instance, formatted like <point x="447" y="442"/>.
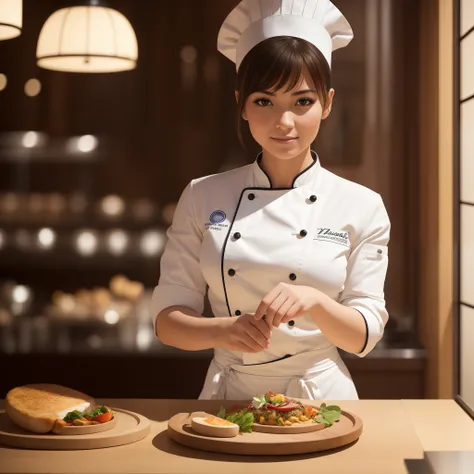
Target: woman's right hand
<point x="244" y="334"/>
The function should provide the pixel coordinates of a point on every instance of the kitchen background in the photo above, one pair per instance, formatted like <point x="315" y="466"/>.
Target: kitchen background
<point x="91" y="167"/>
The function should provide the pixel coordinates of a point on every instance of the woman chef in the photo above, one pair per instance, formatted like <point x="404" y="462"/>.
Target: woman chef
<point x="294" y="257"/>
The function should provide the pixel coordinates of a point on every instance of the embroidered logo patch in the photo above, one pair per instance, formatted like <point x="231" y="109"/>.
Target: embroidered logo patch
<point x="217" y="217"/>
<point x="217" y="221"/>
<point x="326" y="234"/>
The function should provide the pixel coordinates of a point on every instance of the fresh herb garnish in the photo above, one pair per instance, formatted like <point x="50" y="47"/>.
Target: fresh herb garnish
<point x="243" y="418"/>
<point x="259" y="401"/>
<point x="74" y="415"/>
<point x="328" y="414"/>
<point x="98" y="411"/>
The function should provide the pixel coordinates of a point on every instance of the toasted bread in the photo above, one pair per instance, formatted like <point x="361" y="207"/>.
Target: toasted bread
<point x="36" y="407"/>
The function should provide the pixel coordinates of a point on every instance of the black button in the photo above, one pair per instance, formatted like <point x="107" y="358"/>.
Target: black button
<point x="238" y="313"/>
<point x="237" y="236"/>
<point x="231" y="272"/>
<point x="379" y="251"/>
<point x="251" y="196"/>
<point x="303" y="233"/>
<point x="291" y="323"/>
<point x="292" y="277"/>
<point x="313" y="198"/>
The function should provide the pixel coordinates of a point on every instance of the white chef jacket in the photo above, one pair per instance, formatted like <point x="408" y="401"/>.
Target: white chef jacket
<point x="237" y="236"/>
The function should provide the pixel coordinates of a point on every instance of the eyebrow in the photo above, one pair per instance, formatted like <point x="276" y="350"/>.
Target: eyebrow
<point x="294" y="93"/>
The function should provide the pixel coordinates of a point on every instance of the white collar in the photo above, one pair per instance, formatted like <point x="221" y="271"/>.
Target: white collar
<point x="261" y="180"/>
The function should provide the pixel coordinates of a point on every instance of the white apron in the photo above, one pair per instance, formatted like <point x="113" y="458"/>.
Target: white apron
<point x="310" y="376"/>
<point x="237" y="237"/>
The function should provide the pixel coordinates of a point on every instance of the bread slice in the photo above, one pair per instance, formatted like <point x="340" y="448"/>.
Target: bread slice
<point x="36" y="407"/>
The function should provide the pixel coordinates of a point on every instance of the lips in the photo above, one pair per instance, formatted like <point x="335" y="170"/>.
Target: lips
<point x="285" y="139"/>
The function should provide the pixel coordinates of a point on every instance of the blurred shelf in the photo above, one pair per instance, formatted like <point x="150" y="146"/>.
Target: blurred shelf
<point x="53" y="260"/>
<point x="71" y="222"/>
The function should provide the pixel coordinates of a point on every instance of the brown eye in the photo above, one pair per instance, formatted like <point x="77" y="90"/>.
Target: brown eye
<point x="305" y="102"/>
<point x="262" y="102"/>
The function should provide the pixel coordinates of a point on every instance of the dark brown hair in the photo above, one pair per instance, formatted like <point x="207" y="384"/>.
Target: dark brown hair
<point x="278" y="62"/>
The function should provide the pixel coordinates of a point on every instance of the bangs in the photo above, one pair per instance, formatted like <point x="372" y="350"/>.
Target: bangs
<point x="285" y="71"/>
<point x="281" y="63"/>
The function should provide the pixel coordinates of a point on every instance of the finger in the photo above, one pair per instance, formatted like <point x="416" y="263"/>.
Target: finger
<point x="253" y="336"/>
<point x="282" y="312"/>
<point x="241" y="346"/>
<point x="292" y="313"/>
<point x="263" y="327"/>
<point x="274" y="308"/>
<point x="265" y="303"/>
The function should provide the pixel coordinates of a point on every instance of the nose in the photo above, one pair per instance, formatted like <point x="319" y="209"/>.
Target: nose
<point x="285" y="120"/>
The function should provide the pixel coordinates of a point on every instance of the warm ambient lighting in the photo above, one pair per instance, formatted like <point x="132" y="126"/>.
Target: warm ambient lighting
<point x="89" y="38"/>
<point x="11" y="16"/>
<point x="32" y="87"/>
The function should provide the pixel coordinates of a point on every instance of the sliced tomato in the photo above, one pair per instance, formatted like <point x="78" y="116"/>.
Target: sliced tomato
<point x="103" y="418"/>
<point x="285" y="407"/>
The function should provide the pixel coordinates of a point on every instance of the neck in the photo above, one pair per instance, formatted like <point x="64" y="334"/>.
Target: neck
<point x="283" y="172"/>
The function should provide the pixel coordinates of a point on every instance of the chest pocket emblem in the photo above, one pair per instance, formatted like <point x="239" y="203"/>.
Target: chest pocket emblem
<point x="217" y="217"/>
<point x="325" y="234"/>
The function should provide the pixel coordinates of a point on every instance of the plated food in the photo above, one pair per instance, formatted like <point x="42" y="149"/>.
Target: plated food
<point x="44" y="408"/>
<point x="266" y="411"/>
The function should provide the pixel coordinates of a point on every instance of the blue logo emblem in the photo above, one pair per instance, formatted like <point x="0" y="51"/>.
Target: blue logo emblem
<point x="217" y="217"/>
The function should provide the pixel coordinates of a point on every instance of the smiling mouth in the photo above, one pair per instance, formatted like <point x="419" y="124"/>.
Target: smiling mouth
<point x="287" y="139"/>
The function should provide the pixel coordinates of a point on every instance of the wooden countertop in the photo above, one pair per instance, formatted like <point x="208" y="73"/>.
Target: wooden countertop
<point x="394" y="431"/>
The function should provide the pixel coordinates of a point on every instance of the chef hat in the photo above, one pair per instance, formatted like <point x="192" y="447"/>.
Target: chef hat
<point x="252" y="21"/>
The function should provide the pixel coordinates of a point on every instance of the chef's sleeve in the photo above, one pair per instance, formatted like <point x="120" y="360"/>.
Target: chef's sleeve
<point x="181" y="282"/>
<point x="366" y="271"/>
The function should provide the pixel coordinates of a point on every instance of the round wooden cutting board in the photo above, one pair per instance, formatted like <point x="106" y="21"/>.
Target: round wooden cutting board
<point x="129" y="428"/>
<point x="293" y="429"/>
<point x="345" y="431"/>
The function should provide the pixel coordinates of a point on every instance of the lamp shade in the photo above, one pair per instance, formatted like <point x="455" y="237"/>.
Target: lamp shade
<point x="88" y="39"/>
<point x="11" y="16"/>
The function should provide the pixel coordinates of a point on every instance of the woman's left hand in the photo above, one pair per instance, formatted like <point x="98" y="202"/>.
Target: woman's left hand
<point x="286" y="302"/>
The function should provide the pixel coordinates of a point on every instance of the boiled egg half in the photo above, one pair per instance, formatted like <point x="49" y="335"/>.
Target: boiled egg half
<point x="214" y="426"/>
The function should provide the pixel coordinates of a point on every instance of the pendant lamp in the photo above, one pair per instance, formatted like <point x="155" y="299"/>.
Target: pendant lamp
<point x="11" y="16"/>
<point x="87" y="37"/>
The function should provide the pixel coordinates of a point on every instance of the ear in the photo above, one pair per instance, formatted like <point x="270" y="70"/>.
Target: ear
<point x="328" y="108"/>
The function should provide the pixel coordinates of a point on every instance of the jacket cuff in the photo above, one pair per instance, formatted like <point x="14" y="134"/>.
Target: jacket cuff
<point x="374" y="330"/>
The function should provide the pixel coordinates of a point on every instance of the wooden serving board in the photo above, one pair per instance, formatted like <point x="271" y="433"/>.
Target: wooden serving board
<point x="344" y="432"/>
<point x="293" y="429"/>
<point x="129" y="428"/>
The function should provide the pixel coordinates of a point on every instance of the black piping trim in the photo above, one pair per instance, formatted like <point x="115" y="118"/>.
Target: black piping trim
<point x="466" y="203"/>
<point x="467" y="99"/>
<point x="366" y="331"/>
<point x="315" y="160"/>
<point x="11" y="26"/>
<point x="259" y="159"/>
<point x="287" y="356"/>
<point x="467" y="305"/>
<point x="223" y="250"/>
<point x="468" y="32"/>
